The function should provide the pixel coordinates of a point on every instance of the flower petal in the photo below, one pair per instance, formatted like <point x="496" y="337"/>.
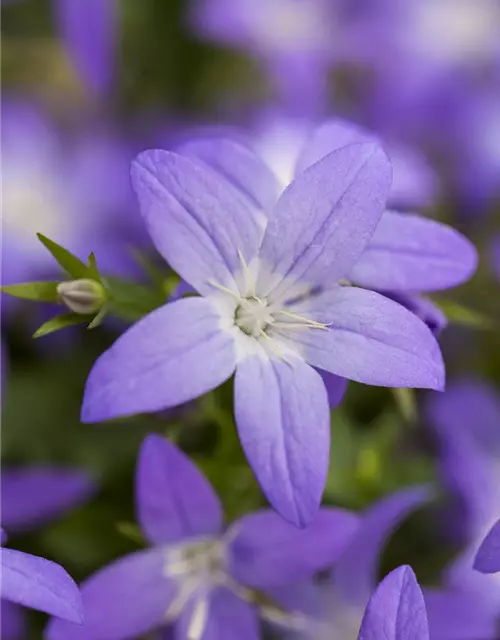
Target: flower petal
<point x="174" y="499"/>
<point x="396" y="610"/>
<point x="218" y="615"/>
<point x="410" y="253"/>
<point x="40" y="584"/>
<point x="356" y="571"/>
<point x="34" y="495"/>
<point x="156" y="363"/>
<point x="324" y="219"/>
<point x="198" y="223"/>
<point x="267" y="551"/>
<point x="488" y="557"/>
<point x="335" y="386"/>
<point x="423" y="308"/>
<point x="12" y="621"/>
<point x="89" y="33"/>
<point x="456" y="615"/>
<point x="240" y="167"/>
<point x="125" y="599"/>
<point x="369" y="338"/>
<point x="283" y="421"/>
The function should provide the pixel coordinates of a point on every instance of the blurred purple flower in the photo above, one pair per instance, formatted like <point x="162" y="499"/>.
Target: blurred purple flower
<point x="396" y="610"/>
<point x="488" y="556"/>
<point x="88" y="31"/>
<point x="336" y="608"/>
<point x="77" y="192"/>
<point x="466" y="419"/>
<point x="32" y="496"/>
<point x="195" y="575"/>
<point x="272" y="306"/>
<point x="37" y="583"/>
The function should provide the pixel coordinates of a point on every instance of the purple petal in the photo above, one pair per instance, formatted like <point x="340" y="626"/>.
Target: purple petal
<point x="126" y="599"/>
<point x="282" y="416"/>
<point x="356" y="571"/>
<point x="12" y="621"/>
<point x="88" y="30"/>
<point x="174" y="499"/>
<point x="488" y="557"/>
<point x="369" y="339"/>
<point x="459" y="616"/>
<point x="34" y="495"/>
<point x="200" y="225"/>
<point x="156" y="363"/>
<point x="39" y="584"/>
<point x="336" y="387"/>
<point x="218" y="615"/>
<point x="267" y="551"/>
<point x="325" y="218"/>
<point x="240" y="167"/>
<point x="423" y="308"/>
<point x="414" y="183"/>
<point x="396" y="610"/>
<point x="410" y="253"/>
<point x="470" y="406"/>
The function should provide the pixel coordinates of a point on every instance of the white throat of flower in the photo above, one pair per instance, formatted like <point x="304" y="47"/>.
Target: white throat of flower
<point x="255" y="315"/>
<point x="198" y="566"/>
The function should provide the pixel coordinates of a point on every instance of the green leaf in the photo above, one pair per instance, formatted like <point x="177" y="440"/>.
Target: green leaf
<point x="92" y="270"/>
<point x="41" y="291"/>
<point x="132" y="300"/>
<point x="459" y="314"/>
<point x="69" y="262"/>
<point x="59" y="322"/>
<point x="98" y="318"/>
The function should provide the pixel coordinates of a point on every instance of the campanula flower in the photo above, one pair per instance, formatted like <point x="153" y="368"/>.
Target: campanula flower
<point x="272" y="306"/>
<point x="40" y="584"/>
<point x="466" y="420"/>
<point x="30" y="497"/>
<point x="196" y="575"/>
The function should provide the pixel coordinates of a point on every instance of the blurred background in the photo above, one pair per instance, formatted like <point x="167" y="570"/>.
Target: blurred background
<point x="87" y="84"/>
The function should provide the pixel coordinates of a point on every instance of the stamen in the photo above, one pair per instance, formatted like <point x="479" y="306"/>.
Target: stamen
<point x="225" y="289"/>
<point x="249" y="280"/>
<point x="298" y="325"/>
<point x="303" y="320"/>
<point x="198" y="620"/>
<point x="274" y="347"/>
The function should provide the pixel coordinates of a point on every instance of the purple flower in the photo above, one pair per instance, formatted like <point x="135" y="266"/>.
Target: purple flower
<point x="396" y="610"/>
<point x="39" y="584"/>
<point x="195" y="575"/>
<point x="76" y="193"/>
<point x="89" y="33"/>
<point x="336" y="609"/>
<point x="29" y="498"/>
<point x="488" y="555"/>
<point x="34" y="495"/>
<point x="272" y="307"/>
<point x="466" y="420"/>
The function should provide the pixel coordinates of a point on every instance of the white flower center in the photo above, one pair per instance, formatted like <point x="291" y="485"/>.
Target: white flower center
<point x="253" y="316"/>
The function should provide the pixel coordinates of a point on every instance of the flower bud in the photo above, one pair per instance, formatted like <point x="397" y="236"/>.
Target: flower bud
<point x="83" y="296"/>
